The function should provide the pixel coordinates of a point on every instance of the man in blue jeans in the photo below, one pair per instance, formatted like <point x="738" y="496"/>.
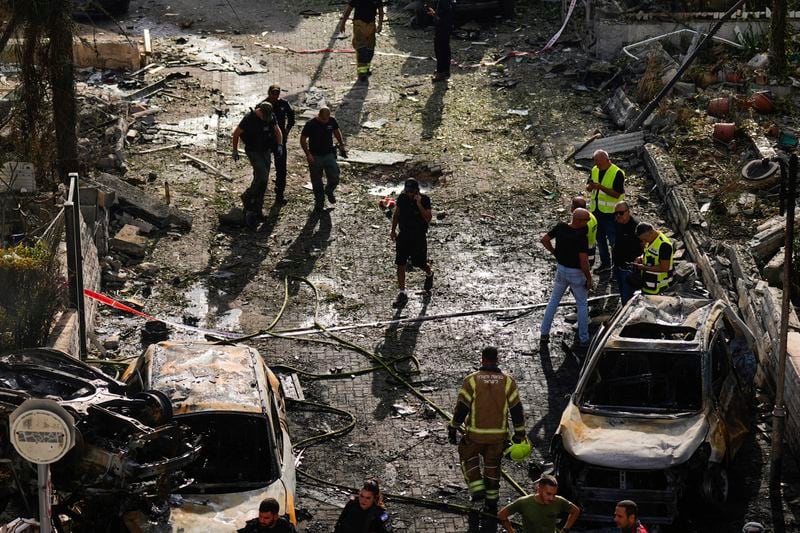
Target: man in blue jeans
<point x="572" y="271"/>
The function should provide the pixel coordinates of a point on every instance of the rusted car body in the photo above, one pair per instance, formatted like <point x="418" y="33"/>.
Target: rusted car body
<point x="662" y="404"/>
<point x="229" y="398"/>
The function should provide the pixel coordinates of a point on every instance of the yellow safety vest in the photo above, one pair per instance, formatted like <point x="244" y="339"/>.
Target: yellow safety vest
<point x="600" y="201"/>
<point x="655" y="282"/>
<point x="591" y="227"/>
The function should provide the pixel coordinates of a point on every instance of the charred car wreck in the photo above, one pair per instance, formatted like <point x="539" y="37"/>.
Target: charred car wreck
<point x="662" y="405"/>
<point x="129" y="452"/>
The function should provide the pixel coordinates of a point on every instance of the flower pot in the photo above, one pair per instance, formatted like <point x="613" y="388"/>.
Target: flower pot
<point x="720" y="107"/>
<point x="762" y="102"/>
<point x="734" y="77"/>
<point x="724" y="131"/>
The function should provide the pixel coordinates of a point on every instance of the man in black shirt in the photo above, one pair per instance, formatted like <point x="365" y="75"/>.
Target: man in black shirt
<point x="364" y="30"/>
<point x="261" y="135"/>
<point x="316" y="139"/>
<point x="572" y="271"/>
<point x="442" y="13"/>
<point x="268" y="520"/>
<point x="284" y="116"/>
<point x="412" y="213"/>
<point x="625" y="250"/>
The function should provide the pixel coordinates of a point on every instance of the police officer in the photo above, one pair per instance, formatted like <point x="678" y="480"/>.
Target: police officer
<point x="656" y="261"/>
<point x="364" y="513"/>
<point x="261" y="135"/>
<point x="483" y="405"/>
<point x="284" y="116"/>
<point x="606" y="187"/>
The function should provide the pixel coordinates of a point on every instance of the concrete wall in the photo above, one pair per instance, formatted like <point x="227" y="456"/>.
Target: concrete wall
<point x="758" y="304"/>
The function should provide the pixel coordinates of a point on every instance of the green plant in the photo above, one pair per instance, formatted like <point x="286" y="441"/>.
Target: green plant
<point x="32" y="294"/>
<point x="754" y="41"/>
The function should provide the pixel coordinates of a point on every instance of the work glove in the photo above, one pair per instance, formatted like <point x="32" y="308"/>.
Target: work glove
<point x="235" y="154"/>
<point x="279" y="150"/>
<point x="452" y="435"/>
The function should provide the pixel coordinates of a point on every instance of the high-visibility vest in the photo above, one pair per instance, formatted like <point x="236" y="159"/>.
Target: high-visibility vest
<point x="489" y="395"/>
<point x="655" y="282"/>
<point x="591" y="235"/>
<point x="599" y="200"/>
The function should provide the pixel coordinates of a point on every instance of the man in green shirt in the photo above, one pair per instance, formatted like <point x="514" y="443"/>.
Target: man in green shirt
<point x="541" y="511"/>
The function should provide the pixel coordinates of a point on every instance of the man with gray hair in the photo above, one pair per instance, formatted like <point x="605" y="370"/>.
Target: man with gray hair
<point x="606" y="187"/>
<point x="572" y="271"/>
<point x="316" y="139"/>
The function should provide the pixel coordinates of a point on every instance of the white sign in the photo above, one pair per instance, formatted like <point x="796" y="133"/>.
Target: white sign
<point x="42" y="432"/>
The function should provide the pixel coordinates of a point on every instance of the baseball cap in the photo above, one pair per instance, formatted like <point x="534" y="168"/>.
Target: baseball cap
<point x="411" y="185"/>
<point x="265" y="107"/>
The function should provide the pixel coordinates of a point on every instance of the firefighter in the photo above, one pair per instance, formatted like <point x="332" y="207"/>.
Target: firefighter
<point x="656" y="261"/>
<point x="483" y="405"/>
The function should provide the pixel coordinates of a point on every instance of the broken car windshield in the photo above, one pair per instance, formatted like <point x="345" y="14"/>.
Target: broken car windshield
<point x="640" y="381"/>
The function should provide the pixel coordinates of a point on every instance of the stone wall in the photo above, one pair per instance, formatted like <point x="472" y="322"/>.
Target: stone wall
<point x="758" y="303"/>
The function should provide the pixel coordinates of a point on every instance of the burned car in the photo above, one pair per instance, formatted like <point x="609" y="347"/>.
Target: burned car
<point x="228" y="397"/>
<point x="662" y="404"/>
<point x="128" y="453"/>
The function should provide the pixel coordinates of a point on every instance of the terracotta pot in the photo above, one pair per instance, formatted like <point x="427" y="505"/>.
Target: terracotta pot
<point x="707" y="78"/>
<point x="773" y="130"/>
<point x="761" y="79"/>
<point x="762" y="102"/>
<point x="720" y="107"/>
<point x="734" y="77"/>
<point x="725" y="131"/>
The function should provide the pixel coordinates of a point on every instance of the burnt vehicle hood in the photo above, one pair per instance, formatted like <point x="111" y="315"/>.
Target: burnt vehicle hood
<point x="627" y="442"/>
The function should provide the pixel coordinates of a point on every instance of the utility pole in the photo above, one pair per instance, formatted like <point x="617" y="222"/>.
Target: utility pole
<point x="788" y="203"/>
<point x="62" y="81"/>
<point x="777" y="38"/>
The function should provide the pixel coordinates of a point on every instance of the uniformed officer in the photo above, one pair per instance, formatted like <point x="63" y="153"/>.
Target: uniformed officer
<point x="284" y="116"/>
<point x="364" y="513"/>
<point x="484" y="402"/>
<point x="656" y="261"/>
<point x="606" y="187"/>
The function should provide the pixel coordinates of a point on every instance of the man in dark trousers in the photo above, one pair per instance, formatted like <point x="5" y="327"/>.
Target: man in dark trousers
<point x="656" y="260"/>
<point x="606" y="187"/>
<point x="625" y="250"/>
<point x="261" y="135"/>
<point x="626" y="517"/>
<point x="316" y="139"/>
<point x="284" y="116"/>
<point x="412" y="212"/>
<point x="364" y="30"/>
<point x="485" y="400"/>
<point x="572" y="271"/>
<point x="268" y="520"/>
<point x="442" y="13"/>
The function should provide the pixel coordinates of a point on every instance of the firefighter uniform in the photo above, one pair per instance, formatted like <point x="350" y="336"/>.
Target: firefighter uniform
<point x="656" y="282"/>
<point x="484" y="402"/>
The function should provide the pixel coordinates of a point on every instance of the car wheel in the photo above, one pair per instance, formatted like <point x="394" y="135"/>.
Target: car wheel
<point x="507" y="8"/>
<point x="715" y="486"/>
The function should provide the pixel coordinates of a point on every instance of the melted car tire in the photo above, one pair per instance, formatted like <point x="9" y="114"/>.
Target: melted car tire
<point x="715" y="486"/>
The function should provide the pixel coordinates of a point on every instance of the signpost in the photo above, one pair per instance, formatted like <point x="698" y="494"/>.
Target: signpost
<point x="42" y="432"/>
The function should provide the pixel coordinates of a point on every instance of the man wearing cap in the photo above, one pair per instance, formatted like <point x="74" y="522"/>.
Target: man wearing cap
<point x="412" y="213"/>
<point x="284" y="116"/>
<point x="261" y="135"/>
<point x="364" y="30"/>
<point x="606" y="187"/>
<point x="656" y="261"/>
<point x="540" y="511"/>
<point x="316" y="139"/>
<point x="625" y="250"/>
<point x="485" y="400"/>
<point x="626" y="517"/>
<point x="572" y="271"/>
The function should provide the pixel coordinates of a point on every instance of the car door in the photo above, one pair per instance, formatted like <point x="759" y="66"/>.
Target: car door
<point x="729" y="395"/>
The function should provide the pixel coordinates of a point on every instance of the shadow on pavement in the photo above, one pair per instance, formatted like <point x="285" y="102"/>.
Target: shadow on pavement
<point x="432" y="114"/>
<point x="310" y="243"/>
<point x="560" y="383"/>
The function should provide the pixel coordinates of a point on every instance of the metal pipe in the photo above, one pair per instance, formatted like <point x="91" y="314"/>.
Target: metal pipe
<point x="670" y="34"/>
<point x="45" y="525"/>
<point x="72" y="212"/>
<point x="779" y="411"/>
<point x="687" y="62"/>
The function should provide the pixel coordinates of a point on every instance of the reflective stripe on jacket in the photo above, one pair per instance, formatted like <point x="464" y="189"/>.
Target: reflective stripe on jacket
<point x="655" y="282"/>
<point x="591" y="235"/>
<point x="489" y="394"/>
<point x="599" y="200"/>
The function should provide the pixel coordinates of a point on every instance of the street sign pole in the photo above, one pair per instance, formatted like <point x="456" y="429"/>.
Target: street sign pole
<point x="45" y="499"/>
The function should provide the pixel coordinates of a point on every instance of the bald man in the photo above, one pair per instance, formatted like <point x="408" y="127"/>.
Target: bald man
<point x="606" y="187"/>
<point x="591" y="227"/>
<point x="571" y="251"/>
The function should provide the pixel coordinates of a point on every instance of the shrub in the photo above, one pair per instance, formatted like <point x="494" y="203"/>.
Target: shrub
<point x="32" y="293"/>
